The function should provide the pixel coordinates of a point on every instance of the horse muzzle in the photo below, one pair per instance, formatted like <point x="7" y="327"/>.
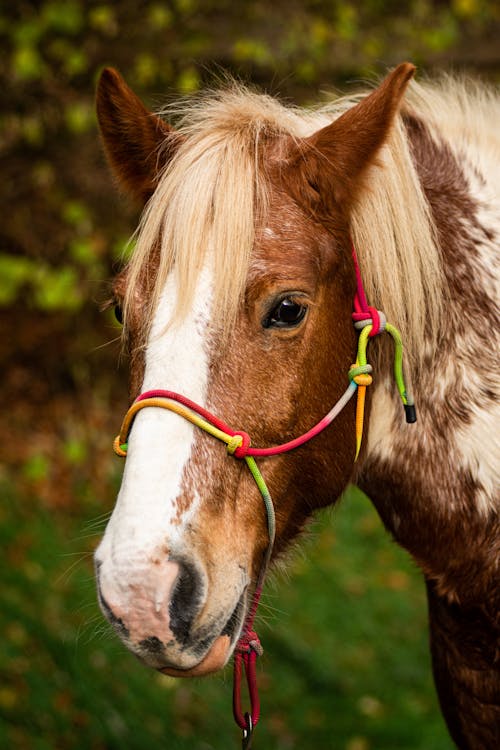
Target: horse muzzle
<point x="164" y="615"/>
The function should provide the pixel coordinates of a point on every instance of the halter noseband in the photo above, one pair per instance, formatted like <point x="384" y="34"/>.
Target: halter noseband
<point x="370" y="322"/>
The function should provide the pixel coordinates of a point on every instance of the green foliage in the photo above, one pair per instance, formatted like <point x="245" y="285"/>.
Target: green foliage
<point x="56" y="289"/>
<point x="46" y="288"/>
<point x="75" y="451"/>
<point x="188" y="80"/>
<point x="53" y="51"/>
<point x="37" y="467"/>
<point x="65" y="17"/>
<point x="15" y="273"/>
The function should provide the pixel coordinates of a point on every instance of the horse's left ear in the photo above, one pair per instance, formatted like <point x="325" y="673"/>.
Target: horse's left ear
<point x="326" y="169"/>
<point x="137" y="142"/>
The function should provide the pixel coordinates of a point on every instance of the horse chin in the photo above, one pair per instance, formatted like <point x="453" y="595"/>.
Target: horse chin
<point x="213" y="661"/>
<point x="220" y="651"/>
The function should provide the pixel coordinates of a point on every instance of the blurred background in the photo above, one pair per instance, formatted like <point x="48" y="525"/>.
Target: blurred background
<point x="346" y="664"/>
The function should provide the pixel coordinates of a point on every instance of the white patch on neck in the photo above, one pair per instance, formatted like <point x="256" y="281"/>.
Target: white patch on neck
<point x="146" y="516"/>
<point x="478" y="452"/>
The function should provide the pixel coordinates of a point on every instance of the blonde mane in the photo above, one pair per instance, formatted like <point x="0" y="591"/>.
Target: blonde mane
<point x="210" y="196"/>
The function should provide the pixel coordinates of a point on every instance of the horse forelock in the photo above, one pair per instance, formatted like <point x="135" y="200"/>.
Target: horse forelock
<point x="208" y="198"/>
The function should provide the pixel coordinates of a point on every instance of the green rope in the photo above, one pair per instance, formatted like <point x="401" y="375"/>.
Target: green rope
<point x="266" y="497"/>
<point x="398" y="358"/>
<point x="398" y="363"/>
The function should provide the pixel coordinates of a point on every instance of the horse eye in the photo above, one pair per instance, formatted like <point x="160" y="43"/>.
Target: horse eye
<point x="119" y="314"/>
<point x="286" y="314"/>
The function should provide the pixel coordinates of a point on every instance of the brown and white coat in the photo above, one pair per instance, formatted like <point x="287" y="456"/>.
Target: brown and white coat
<point x="249" y="204"/>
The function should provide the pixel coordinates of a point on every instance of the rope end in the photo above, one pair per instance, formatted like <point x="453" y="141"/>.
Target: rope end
<point x="411" y="413"/>
<point x="358" y="447"/>
<point x="119" y="448"/>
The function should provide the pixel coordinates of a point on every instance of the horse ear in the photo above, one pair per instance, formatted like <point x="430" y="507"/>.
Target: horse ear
<point x="137" y="143"/>
<point x="328" y="167"/>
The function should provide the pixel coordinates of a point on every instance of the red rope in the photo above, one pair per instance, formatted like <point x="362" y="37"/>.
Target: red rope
<point x="246" y="652"/>
<point x="361" y="306"/>
<point x="362" y="310"/>
<point x="245" y="449"/>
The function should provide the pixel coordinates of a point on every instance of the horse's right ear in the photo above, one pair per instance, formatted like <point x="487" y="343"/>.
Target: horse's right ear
<point x="137" y="142"/>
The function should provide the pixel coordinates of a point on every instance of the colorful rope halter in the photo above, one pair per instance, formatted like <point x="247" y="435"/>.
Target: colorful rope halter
<point x="370" y="322"/>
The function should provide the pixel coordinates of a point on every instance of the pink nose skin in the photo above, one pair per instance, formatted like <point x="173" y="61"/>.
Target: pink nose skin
<point x="154" y="610"/>
<point x="138" y="606"/>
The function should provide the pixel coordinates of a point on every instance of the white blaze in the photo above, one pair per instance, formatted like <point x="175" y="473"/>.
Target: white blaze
<point x="160" y="441"/>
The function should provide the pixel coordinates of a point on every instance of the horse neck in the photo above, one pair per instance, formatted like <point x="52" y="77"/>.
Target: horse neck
<point x="433" y="482"/>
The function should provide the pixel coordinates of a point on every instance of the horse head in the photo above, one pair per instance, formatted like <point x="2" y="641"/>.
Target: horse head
<point x="238" y="296"/>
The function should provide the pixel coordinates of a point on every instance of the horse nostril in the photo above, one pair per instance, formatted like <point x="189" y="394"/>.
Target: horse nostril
<point x="186" y="600"/>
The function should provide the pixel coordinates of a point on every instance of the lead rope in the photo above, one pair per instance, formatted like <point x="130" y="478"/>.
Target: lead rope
<point x="248" y="647"/>
<point x="370" y="322"/>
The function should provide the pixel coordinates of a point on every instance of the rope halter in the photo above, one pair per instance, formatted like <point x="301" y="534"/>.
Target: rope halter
<point x="370" y="322"/>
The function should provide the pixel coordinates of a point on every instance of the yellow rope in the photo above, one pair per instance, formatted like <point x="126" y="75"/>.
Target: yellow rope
<point x="120" y="441"/>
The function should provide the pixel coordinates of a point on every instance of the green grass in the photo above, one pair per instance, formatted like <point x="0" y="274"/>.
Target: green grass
<point x="346" y="665"/>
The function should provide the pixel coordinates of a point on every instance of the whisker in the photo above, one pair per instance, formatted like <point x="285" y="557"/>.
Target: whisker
<point x="106" y="343"/>
<point x="98" y="519"/>
<point x="68" y="572"/>
<point x="90" y="535"/>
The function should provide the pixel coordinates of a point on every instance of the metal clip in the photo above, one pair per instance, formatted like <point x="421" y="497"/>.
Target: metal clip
<point x="246" y="742"/>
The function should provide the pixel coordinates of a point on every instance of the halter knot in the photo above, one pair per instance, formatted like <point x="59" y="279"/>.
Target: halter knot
<point x="239" y="444"/>
<point x="249" y="642"/>
<point x="378" y="321"/>
<point x="372" y="317"/>
<point x="360" y="374"/>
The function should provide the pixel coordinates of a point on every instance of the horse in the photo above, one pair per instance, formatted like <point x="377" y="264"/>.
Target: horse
<point x="237" y="312"/>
